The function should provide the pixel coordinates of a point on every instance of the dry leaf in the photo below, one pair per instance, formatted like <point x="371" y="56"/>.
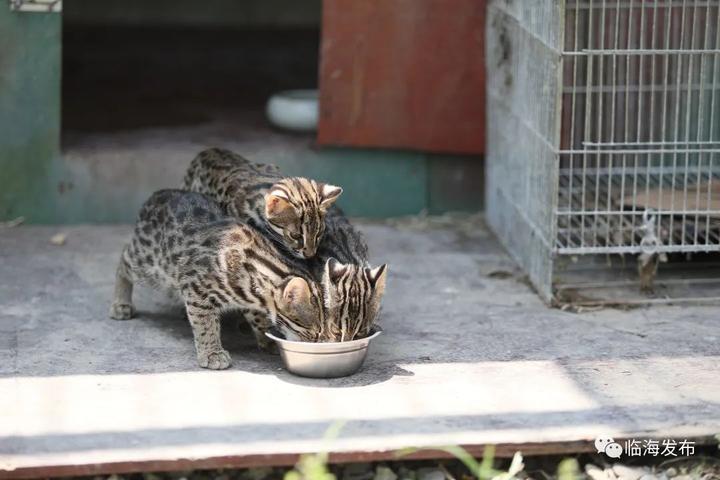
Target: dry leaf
<point x="58" y="239"/>
<point x="13" y="223"/>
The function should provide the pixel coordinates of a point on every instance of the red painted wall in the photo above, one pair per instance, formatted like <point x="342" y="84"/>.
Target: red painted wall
<point x="403" y="74"/>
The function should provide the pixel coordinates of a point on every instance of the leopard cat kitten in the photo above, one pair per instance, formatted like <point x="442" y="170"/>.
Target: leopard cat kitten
<point x="183" y="242"/>
<point x="353" y="289"/>
<point x="292" y="210"/>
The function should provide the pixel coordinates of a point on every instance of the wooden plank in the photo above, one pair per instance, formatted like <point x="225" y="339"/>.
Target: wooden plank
<point x="403" y="73"/>
<point x="252" y="461"/>
<point x="280" y="460"/>
<point x="701" y="197"/>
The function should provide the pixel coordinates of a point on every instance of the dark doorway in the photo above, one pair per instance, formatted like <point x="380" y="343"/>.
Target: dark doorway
<point x="140" y="66"/>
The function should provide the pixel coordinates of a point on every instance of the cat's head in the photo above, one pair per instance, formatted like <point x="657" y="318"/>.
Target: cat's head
<point x="300" y="314"/>
<point x="295" y="208"/>
<point x="352" y="296"/>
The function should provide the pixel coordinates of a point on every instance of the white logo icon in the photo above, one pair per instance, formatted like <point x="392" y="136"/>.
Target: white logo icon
<point x="608" y="446"/>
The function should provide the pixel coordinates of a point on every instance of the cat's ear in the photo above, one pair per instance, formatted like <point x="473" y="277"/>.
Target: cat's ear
<point x="297" y="292"/>
<point x="277" y="204"/>
<point x="328" y="195"/>
<point x="334" y="270"/>
<point x="377" y="278"/>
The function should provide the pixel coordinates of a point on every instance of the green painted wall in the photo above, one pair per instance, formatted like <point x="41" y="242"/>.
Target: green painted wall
<point x="29" y="112"/>
<point x="455" y="183"/>
<point x="384" y="183"/>
<point x="110" y="187"/>
<point x="376" y="183"/>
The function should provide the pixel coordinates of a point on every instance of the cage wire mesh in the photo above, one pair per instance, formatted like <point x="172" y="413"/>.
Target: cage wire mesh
<point x="604" y="128"/>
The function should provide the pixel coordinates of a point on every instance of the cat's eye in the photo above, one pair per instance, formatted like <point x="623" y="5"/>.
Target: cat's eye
<point x="296" y="236"/>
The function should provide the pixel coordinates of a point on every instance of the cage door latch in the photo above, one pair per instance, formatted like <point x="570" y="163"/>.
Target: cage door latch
<point x="649" y="242"/>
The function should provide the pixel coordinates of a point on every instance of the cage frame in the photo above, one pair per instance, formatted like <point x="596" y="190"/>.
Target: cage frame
<point x="526" y="38"/>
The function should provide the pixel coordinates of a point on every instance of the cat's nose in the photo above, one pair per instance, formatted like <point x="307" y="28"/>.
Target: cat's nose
<point x="308" y="252"/>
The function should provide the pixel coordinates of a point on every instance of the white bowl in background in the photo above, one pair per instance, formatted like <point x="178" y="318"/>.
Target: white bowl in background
<point x="295" y="110"/>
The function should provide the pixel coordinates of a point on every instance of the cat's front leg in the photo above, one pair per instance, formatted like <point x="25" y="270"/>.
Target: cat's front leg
<point x="260" y="324"/>
<point x="122" y="307"/>
<point x="205" y="323"/>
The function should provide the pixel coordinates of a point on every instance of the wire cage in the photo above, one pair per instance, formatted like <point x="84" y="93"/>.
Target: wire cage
<point x="603" y="129"/>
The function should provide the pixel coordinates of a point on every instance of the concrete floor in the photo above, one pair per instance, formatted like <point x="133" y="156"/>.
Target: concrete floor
<point x="467" y="358"/>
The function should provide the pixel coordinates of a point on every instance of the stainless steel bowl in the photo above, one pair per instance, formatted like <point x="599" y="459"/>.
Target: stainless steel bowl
<point x="324" y="360"/>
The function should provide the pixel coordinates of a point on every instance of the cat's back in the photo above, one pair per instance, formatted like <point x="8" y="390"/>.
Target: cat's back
<point x="171" y="207"/>
<point x="215" y="168"/>
<point x="342" y="240"/>
<point x="198" y="223"/>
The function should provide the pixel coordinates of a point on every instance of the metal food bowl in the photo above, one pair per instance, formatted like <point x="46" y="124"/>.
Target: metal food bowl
<point x="324" y="360"/>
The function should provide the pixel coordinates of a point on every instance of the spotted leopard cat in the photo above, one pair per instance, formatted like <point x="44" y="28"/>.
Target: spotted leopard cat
<point x="353" y="289"/>
<point x="183" y="242"/>
<point x="291" y="210"/>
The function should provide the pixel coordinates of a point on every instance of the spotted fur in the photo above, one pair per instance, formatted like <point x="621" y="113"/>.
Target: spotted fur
<point x="183" y="242"/>
<point x="290" y="210"/>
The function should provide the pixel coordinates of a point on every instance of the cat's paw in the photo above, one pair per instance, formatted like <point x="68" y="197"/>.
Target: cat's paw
<point x="121" y="311"/>
<point x="265" y="344"/>
<point x="268" y="346"/>
<point x="214" y="360"/>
